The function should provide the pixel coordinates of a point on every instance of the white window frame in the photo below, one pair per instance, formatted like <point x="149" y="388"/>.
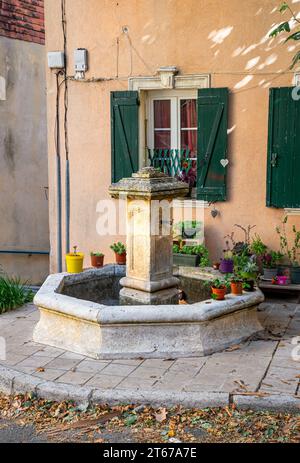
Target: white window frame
<point x="145" y="84"/>
<point x="175" y="96"/>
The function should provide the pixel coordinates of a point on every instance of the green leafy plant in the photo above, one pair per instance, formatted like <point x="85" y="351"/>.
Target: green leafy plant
<point x="249" y="271"/>
<point x="289" y="249"/>
<point x="118" y="248"/>
<point x="236" y="279"/>
<point x="285" y="27"/>
<point x="218" y="283"/>
<point x="246" y="285"/>
<point x="176" y="249"/>
<point x="96" y="254"/>
<point x="13" y="293"/>
<point x="245" y="267"/>
<point x="228" y="255"/>
<point x="197" y="250"/>
<point x="271" y="259"/>
<point x="257" y="246"/>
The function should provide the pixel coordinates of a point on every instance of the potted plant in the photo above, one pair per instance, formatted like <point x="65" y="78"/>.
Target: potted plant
<point x="240" y="247"/>
<point x="291" y="251"/>
<point x="74" y="261"/>
<point x="258" y="249"/>
<point x="236" y="284"/>
<point x="245" y="268"/>
<point x="270" y="261"/>
<point x="120" y="252"/>
<point x="97" y="259"/>
<point x="249" y="274"/>
<point x="190" y="256"/>
<point x="281" y="280"/>
<point x="227" y="264"/>
<point x="219" y="287"/>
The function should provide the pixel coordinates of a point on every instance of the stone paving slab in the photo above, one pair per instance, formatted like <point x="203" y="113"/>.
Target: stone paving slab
<point x="261" y="368"/>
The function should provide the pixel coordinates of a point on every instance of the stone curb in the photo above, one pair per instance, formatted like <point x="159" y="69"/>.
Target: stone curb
<point x="15" y="382"/>
<point x="162" y="398"/>
<point x="273" y="402"/>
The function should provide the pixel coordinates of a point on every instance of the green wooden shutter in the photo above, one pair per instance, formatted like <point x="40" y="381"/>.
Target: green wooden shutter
<point x="283" y="149"/>
<point x="124" y="134"/>
<point x="212" y="143"/>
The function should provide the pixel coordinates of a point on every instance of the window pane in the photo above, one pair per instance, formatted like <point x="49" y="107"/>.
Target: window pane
<point x="162" y="114"/>
<point x="189" y="141"/>
<point x="188" y="113"/>
<point x="162" y="139"/>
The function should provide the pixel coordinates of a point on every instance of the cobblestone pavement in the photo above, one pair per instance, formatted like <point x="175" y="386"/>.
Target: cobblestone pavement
<point x="263" y="365"/>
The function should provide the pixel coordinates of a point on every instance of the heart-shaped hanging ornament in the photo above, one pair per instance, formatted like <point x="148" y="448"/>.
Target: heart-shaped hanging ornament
<point x="214" y="213"/>
<point x="224" y="162"/>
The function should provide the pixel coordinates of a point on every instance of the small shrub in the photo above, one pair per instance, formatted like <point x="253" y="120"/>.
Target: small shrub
<point x="118" y="248"/>
<point x="13" y="294"/>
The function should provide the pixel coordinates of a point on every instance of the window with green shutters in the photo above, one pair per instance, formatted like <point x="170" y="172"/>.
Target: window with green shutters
<point x="208" y="128"/>
<point x="283" y="186"/>
<point x="124" y="134"/>
<point x="212" y="144"/>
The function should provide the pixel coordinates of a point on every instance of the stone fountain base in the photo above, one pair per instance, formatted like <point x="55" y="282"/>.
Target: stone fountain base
<point x="130" y="296"/>
<point x="69" y="321"/>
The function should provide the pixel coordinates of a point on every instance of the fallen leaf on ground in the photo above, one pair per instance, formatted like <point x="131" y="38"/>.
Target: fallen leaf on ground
<point x="161" y="415"/>
<point x="234" y="347"/>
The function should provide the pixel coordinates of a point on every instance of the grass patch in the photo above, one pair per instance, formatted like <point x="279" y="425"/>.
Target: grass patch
<point x="13" y="293"/>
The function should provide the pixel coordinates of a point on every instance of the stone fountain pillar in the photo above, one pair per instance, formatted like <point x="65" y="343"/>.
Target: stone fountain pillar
<point x="149" y="276"/>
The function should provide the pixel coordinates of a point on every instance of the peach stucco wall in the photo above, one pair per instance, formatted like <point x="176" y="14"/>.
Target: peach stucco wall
<point x="226" y="39"/>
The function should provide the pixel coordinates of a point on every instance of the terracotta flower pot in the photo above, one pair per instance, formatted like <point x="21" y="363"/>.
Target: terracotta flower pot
<point x="237" y="288"/>
<point x="120" y="258"/>
<point x="219" y="293"/>
<point x="97" y="261"/>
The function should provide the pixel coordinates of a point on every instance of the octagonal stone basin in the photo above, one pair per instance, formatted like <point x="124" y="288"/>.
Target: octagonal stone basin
<point x="80" y="313"/>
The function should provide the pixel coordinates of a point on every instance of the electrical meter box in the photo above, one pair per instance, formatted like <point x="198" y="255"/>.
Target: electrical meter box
<point x="81" y="59"/>
<point x="56" y="60"/>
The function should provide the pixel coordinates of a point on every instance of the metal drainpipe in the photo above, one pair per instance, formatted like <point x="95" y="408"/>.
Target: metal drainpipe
<point x="58" y="182"/>
<point x="59" y="208"/>
<point x="67" y="206"/>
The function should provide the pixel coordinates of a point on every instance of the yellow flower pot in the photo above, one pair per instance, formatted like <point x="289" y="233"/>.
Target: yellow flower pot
<point x="74" y="262"/>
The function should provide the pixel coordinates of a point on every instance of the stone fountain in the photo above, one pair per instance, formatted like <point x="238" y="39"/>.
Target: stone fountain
<point x="115" y="312"/>
<point x="149" y="276"/>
